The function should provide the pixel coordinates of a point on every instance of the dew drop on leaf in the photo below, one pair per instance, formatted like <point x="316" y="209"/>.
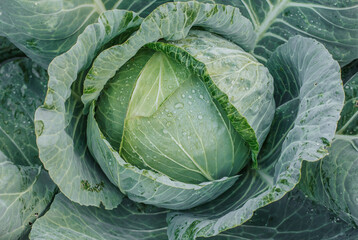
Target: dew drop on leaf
<point x="179" y="105"/>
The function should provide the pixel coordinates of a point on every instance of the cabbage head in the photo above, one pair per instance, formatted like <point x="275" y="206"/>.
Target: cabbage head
<point x="187" y="118"/>
<point x="176" y="113"/>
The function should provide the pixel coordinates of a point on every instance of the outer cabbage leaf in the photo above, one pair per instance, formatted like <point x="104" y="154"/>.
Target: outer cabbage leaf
<point x="332" y="182"/>
<point x="25" y="193"/>
<point x="129" y="221"/>
<point x="25" y="188"/>
<point x="60" y="125"/>
<point x="303" y="126"/>
<point x="292" y="217"/>
<point x="46" y="29"/>
<point x="333" y="23"/>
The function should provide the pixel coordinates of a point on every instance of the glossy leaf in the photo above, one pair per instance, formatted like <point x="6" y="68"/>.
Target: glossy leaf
<point x="60" y="125"/>
<point x="333" y="23"/>
<point x="25" y="188"/>
<point x="292" y="217"/>
<point x="130" y="221"/>
<point x="332" y="182"/>
<point x="46" y="29"/>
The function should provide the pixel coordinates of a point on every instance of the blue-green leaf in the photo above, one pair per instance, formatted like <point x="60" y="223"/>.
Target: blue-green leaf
<point x="60" y="125"/>
<point x="332" y="182"/>
<point x="46" y="29"/>
<point x="25" y="188"/>
<point x="333" y="23"/>
<point x="292" y="217"/>
<point x="67" y="220"/>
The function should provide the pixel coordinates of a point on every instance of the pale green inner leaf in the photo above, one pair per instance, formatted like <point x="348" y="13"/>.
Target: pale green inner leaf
<point x="113" y="103"/>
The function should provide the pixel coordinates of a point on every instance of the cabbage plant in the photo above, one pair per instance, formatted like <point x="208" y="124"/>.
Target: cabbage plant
<point x="179" y="120"/>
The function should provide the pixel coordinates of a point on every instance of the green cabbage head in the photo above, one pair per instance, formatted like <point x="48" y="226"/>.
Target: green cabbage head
<point x="192" y="110"/>
<point x="174" y="110"/>
<point x="163" y="117"/>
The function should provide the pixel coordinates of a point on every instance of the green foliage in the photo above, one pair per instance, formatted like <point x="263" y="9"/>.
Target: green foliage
<point x="161" y="119"/>
<point x="26" y="189"/>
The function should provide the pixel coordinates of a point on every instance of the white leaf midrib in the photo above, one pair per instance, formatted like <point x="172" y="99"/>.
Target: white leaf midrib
<point x="271" y="16"/>
<point x="99" y="6"/>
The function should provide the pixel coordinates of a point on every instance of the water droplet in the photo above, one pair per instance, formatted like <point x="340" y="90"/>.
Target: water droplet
<point x="201" y="96"/>
<point x="165" y="131"/>
<point x="190" y="97"/>
<point x="193" y="91"/>
<point x="179" y="105"/>
<point x="200" y="117"/>
<point x="183" y="95"/>
<point x="190" y="103"/>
